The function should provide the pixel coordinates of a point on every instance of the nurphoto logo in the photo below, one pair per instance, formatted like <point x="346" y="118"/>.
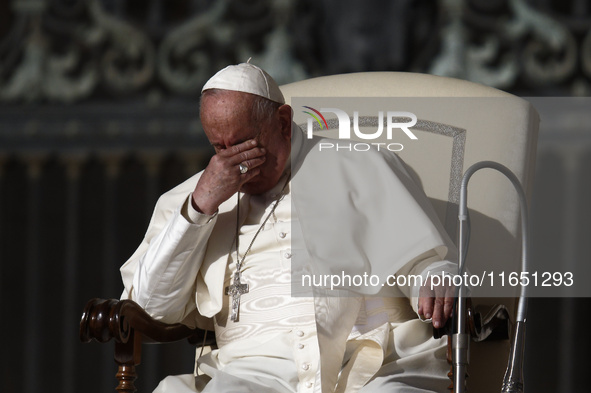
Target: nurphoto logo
<point x="395" y="122"/>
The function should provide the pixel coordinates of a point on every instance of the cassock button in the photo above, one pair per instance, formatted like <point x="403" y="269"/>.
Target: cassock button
<point x="309" y="384"/>
<point x="282" y="235"/>
<point x="305" y="366"/>
<point x="300" y="346"/>
<point x="300" y="333"/>
<point x="287" y="255"/>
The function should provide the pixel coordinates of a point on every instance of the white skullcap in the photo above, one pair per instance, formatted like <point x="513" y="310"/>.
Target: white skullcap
<point x="247" y="78"/>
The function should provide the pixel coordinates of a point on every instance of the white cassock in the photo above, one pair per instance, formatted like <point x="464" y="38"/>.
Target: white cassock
<point x="285" y="343"/>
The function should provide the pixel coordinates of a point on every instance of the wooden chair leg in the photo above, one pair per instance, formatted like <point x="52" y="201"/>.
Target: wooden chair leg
<point x="127" y="356"/>
<point x="126" y="377"/>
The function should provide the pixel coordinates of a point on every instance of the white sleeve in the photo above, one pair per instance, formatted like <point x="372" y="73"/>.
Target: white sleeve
<point x="161" y="275"/>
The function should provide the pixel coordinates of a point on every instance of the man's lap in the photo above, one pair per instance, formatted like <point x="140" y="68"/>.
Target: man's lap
<point x="414" y="362"/>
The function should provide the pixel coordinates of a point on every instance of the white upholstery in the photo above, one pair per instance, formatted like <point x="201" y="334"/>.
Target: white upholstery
<point x="499" y="127"/>
<point x="496" y="126"/>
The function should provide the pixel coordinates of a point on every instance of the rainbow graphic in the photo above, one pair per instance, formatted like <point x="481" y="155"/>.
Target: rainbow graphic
<point x="316" y="117"/>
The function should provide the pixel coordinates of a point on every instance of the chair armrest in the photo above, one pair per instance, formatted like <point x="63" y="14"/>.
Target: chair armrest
<point x="130" y="326"/>
<point x="103" y="320"/>
<point x="484" y="323"/>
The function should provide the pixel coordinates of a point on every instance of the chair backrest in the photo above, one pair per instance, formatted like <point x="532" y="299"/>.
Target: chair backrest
<point x="458" y="124"/>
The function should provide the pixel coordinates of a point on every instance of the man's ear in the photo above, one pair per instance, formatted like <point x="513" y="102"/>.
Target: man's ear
<point x="285" y="116"/>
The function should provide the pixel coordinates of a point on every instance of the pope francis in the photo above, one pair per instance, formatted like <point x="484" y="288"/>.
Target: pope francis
<point x="225" y="251"/>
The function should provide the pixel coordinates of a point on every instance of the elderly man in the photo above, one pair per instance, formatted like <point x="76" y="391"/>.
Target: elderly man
<point x="218" y="255"/>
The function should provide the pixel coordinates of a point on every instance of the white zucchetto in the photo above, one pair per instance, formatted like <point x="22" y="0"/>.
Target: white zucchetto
<point x="247" y="78"/>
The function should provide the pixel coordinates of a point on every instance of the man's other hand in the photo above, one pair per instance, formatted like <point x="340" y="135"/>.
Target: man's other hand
<point x="436" y="302"/>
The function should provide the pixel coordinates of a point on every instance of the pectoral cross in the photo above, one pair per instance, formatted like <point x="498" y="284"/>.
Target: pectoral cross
<point x="236" y="290"/>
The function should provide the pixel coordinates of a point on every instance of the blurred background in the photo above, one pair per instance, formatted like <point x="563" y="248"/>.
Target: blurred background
<point x="99" y="116"/>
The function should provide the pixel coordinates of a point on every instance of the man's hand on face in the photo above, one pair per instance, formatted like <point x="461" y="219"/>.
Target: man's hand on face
<point x="222" y="177"/>
<point x="436" y="303"/>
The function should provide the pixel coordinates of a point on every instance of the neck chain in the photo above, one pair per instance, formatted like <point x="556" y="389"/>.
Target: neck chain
<point x="238" y="288"/>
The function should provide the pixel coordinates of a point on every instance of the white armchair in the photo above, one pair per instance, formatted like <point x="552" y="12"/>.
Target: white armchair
<point x="458" y="124"/>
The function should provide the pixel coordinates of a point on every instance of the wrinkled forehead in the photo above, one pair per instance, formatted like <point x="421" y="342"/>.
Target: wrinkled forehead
<point x="225" y="104"/>
<point x="227" y="97"/>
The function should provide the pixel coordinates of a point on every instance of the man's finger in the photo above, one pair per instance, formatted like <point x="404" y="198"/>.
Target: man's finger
<point x="246" y="156"/>
<point x="426" y="300"/>
<point x="241" y="151"/>
<point x="239" y="148"/>
<point x="249" y="175"/>
<point x="253" y="163"/>
<point x="438" y="317"/>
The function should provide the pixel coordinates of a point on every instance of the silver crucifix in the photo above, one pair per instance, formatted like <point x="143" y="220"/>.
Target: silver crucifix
<point x="236" y="290"/>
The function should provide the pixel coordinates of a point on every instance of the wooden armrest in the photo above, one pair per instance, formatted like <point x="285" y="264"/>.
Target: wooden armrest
<point x="130" y="326"/>
<point x="103" y="320"/>
<point x="484" y="323"/>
